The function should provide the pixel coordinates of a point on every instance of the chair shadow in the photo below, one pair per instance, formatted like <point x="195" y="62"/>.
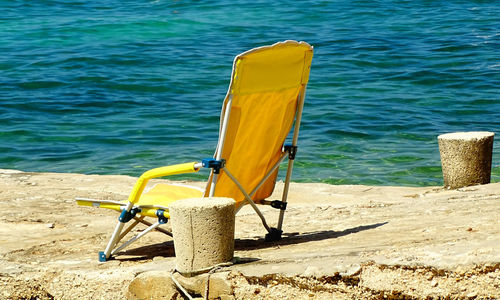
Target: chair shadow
<point x="166" y="249"/>
<point x="297" y="238"/>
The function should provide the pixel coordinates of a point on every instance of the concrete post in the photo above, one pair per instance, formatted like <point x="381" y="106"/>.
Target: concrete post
<point x="466" y="158"/>
<point x="203" y="230"/>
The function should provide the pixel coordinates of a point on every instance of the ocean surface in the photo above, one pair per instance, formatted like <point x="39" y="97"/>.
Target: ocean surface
<point x="118" y="87"/>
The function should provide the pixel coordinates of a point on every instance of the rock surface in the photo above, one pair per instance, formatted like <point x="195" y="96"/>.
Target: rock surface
<point x="340" y="242"/>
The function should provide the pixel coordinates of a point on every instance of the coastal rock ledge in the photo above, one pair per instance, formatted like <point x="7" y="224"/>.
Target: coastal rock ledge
<point x="340" y="242"/>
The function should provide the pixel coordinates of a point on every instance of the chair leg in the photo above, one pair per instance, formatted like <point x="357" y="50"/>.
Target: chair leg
<point x="117" y="237"/>
<point x="125" y="216"/>
<point x="104" y="255"/>
<point x="157" y="228"/>
<point x="248" y="199"/>
<point x="135" y="238"/>
<point x="130" y="227"/>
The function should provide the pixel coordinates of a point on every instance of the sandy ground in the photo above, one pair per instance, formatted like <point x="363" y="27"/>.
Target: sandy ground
<point x="340" y="242"/>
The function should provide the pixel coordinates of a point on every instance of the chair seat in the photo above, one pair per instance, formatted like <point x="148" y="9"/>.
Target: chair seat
<point x="158" y="197"/>
<point x="164" y="194"/>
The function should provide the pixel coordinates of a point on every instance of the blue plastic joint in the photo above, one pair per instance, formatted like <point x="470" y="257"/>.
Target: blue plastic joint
<point x="102" y="257"/>
<point x="126" y="216"/>
<point x="292" y="151"/>
<point x="161" y="217"/>
<point x="214" y="164"/>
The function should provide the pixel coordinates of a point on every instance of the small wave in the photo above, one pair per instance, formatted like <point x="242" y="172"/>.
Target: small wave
<point x="42" y="84"/>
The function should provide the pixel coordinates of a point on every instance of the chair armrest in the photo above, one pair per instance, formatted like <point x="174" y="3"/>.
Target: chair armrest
<point x="159" y="172"/>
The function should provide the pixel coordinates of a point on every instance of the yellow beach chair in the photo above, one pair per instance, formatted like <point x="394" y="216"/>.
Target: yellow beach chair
<point x="264" y="101"/>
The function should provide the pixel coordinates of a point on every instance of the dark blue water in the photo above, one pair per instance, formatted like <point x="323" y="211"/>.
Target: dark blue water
<point x="118" y="87"/>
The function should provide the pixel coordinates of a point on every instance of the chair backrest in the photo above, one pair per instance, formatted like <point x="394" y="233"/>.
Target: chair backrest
<point x="264" y="95"/>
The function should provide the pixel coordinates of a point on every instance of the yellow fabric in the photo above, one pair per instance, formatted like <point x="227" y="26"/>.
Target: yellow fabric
<point x="164" y="194"/>
<point x="266" y="85"/>
<point x="159" y="195"/>
<point x="158" y="172"/>
<point x="254" y="140"/>
<point x="272" y="68"/>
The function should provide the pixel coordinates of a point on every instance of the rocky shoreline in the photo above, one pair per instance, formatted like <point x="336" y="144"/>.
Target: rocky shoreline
<point x="340" y="242"/>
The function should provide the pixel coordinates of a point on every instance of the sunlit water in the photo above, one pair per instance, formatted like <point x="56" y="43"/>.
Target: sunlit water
<point x="118" y="87"/>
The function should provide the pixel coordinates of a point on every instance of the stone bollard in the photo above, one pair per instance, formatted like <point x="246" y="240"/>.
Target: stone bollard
<point x="466" y="158"/>
<point x="203" y="230"/>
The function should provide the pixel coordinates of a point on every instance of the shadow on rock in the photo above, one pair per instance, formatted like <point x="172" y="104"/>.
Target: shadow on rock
<point x="297" y="238"/>
<point x="166" y="249"/>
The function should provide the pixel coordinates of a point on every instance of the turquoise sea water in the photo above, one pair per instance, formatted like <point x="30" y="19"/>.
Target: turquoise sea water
<point x="118" y="87"/>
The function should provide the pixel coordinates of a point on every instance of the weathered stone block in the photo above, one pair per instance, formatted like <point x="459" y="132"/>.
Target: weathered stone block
<point x="466" y="158"/>
<point x="203" y="230"/>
